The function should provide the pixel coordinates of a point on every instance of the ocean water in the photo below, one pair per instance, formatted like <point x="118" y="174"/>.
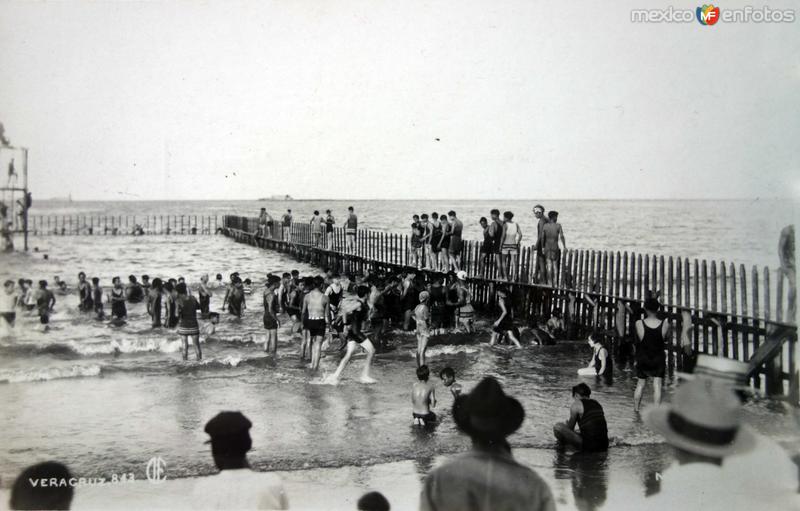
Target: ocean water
<point x="106" y="400"/>
<point x="739" y="231"/>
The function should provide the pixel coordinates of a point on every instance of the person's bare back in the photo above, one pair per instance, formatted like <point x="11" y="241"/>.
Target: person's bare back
<point x="423" y="397"/>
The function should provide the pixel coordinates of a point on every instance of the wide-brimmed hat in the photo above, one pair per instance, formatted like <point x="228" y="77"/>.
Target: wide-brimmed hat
<point x="487" y="412"/>
<point x="721" y="370"/>
<point x="704" y="418"/>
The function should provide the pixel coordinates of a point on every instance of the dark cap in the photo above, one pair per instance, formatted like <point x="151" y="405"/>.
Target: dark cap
<point x="226" y="424"/>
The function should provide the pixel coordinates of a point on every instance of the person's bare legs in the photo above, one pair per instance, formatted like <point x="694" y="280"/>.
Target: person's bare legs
<point x="351" y="347"/>
<point x="185" y="339"/>
<point x="370" y="349"/>
<point x="316" y="352"/>
<point x="493" y="339"/>
<point x="637" y="394"/>
<point x="196" y="341"/>
<point x="422" y="346"/>
<point x="564" y="435"/>
<point x="513" y="338"/>
<point x="512" y="264"/>
<point x="305" y="345"/>
<point x="502" y="266"/>
<point x="407" y="319"/>
<point x="657" y="391"/>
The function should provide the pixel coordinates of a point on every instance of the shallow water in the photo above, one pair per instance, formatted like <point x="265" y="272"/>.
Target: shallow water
<point x="105" y="400"/>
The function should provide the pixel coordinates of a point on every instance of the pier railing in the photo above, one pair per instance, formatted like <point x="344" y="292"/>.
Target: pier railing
<point x="735" y="313"/>
<point x="72" y="225"/>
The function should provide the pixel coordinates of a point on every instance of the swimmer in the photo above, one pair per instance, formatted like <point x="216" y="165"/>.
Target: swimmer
<point x="45" y="300"/>
<point x="248" y="287"/>
<point x="63" y="290"/>
<point x="422" y="316"/>
<point x="85" y="302"/>
<point x="134" y="291"/>
<point x="552" y="233"/>
<point x="505" y="323"/>
<point x="271" y="322"/>
<point x="354" y="337"/>
<point x="117" y="299"/>
<point x="97" y="299"/>
<point x="448" y="376"/>
<point x="204" y="292"/>
<point x="210" y="328"/>
<point x="294" y="305"/>
<point x="171" y="319"/>
<point x="154" y="302"/>
<point x="415" y="241"/>
<point x="187" y="326"/>
<point x="600" y="364"/>
<point x="218" y="282"/>
<point x="8" y="304"/>
<point x="146" y="284"/>
<point x="509" y="245"/>
<point x="591" y="420"/>
<point x="315" y="308"/>
<point x="423" y="398"/>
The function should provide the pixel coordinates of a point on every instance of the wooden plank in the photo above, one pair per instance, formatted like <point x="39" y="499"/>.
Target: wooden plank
<point x="723" y="299"/>
<point x="743" y="290"/>
<point x="734" y="321"/>
<point x="639" y="277"/>
<point x="646" y="275"/>
<point x="704" y="290"/>
<point x="678" y="282"/>
<point x="714" y="286"/>
<point x="617" y="272"/>
<point x="625" y="290"/>
<point x="756" y="313"/>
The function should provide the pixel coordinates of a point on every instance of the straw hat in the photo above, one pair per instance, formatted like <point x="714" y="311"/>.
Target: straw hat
<point x="704" y="418"/>
<point x="721" y="370"/>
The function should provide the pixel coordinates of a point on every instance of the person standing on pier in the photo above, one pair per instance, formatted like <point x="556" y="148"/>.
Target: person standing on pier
<point x="187" y="324"/>
<point x="286" y="221"/>
<point x="351" y="230"/>
<point x="425" y="237"/>
<point x="353" y="321"/>
<point x="330" y="221"/>
<point x="415" y="242"/>
<point x="496" y="234"/>
<point x="444" y="254"/>
<point x="465" y="313"/>
<point x="509" y="246"/>
<point x="316" y="228"/>
<point x="651" y="333"/>
<point x="552" y="233"/>
<point x="541" y="260"/>
<point x="435" y="242"/>
<point x="456" y="241"/>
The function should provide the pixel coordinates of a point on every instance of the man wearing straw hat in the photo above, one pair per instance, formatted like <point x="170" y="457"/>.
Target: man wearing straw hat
<point x="704" y="426"/>
<point x="486" y="478"/>
<point x="783" y="474"/>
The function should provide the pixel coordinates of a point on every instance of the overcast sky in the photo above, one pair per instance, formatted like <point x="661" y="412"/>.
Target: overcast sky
<point x="397" y="99"/>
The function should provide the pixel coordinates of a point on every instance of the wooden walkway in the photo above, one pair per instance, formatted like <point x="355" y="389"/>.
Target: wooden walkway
<point x="71" y="225"/>
<point x="733" y="311"/>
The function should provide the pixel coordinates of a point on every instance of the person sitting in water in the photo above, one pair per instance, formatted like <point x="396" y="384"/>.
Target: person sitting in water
<point x="448" y="376"/>
<point x="422" y="318"/>
<point x="43" y="486"/>
<point x="423" y="398"/>
<point x="600" y="364"/>
<point x="555" y="325"/>
<point x="134" y="291"/>
<point x="588" y="415"/>
<point x="234" y="297"/>
<point x="236" y="486"/>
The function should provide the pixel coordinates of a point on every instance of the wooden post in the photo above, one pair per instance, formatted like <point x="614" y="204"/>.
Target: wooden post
<point x="734" y="319"/>
<point x="704" y="277"/>
<point x="723" y="299"/>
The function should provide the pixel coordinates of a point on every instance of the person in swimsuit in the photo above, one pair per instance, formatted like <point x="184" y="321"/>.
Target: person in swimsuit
<point x="45" y="300"/>
<point x="435" y="247"/>
<point x="415" y="242"/>
<point x="425" y="231"/>
<point x="444" y="244"/>
<point x="330" y="221"/>
<point x="29" y="296"/>
<point x="154" y="302"/>
<point x="591" y="420"/>
<point x="423" y="398"/>
<point x="262" y="223"/>
<point x="509" y="246"/>
<point x="409" y="298"/>
<point x="496" y="234"/>
<point x="85" y="303"/>
<point x="315" y="310"/>
<point x="504" y="323"/>
<point x="97" y="299"/>
<point x="465" y="313"/>
<point x="651" y="333"/>
<point x="422" y="316"/>
<point x="351" y="230"/>
<point x="541" y="260"/>
<point x="8" y="306"/>
<point x="134" y="292"/>
<point x="117" y="298"/>
<point x="354" y="337"/>
<point x="552" y="233"/>
<point x="271" y="322"/>
<point x="456" y="242"/>
<point x="438" y="302"/>
<point x="316" y="228"/>
<point x="204" y="292"/>
<point x="487" y="246"/>
<point x="295" y="304"/>
<point x="335" y="293"/>
<point x="145" y="285"/>
<point x="187" y="325"/>
<point x="448" y="376"/>
<point x="286" y="221"/>
<point x="600" y="363"/>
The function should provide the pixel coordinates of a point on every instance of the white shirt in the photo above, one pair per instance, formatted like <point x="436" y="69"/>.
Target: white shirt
<point x="7" y="301"/>
<point x="240" y="489"/>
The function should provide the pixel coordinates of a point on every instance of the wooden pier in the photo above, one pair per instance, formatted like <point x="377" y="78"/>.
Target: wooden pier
<point x="735" y="313"/>
<point x="112" y="225"/>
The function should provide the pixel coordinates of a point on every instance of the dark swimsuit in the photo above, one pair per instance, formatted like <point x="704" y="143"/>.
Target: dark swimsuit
<point x="154" y="299"/>
<point x="598" y="364"/>
<point x="436" y="237"/>
<point x="270" y="323"/>
<point x="85" y="295"/>
<point x="172" y="312"/>
<point x="592" y="424"/>
<point x="650" y="353"/>
<point x="427" y="418"/>
<point x="118" y="309"/>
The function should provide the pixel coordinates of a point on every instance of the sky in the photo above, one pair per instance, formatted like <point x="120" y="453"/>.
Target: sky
<point x="352" y="99"/>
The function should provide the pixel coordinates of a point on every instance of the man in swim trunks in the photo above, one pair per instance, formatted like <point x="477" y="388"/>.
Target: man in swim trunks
<point x="496" y="234"/>
<point x="8" y="304"/>
<point x="416" y="241"/>
<point x="316" y="228"/>
<point x="45" y="300"/>
<point x="271" y="322"/>
<point x="423" y="398"/>
<point x="353" y="322"/>
<point x="351" y="229"/>
<point x="330" y="221"/>
<point x="118" y="299"/>
<point x="315" y="310"/>
<point x="456" y="242"/>
<point x="552" y="233"/>
<point x="591" y="420"/>
<point x="422" y="316"/>
<point x="541" y="260"/>
<point x="84" y="294"/>
<point x="509" y="245"/>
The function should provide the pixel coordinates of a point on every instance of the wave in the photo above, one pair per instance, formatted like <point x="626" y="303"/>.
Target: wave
<point x="49" y="373"/>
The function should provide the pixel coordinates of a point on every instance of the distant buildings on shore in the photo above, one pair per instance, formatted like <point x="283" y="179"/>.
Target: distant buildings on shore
<point x="277" y="197"/>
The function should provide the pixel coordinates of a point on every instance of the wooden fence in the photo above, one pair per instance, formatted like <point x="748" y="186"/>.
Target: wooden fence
<point x="70" y="225"/>
<point x="731" y="309"/>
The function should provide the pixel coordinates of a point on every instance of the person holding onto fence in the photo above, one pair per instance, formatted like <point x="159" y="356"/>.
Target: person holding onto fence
<point x="505" y="322"/>
<point x="487" y="477"/>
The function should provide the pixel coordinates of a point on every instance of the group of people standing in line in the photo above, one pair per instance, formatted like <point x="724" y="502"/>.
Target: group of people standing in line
<point x="322" y="228"/>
